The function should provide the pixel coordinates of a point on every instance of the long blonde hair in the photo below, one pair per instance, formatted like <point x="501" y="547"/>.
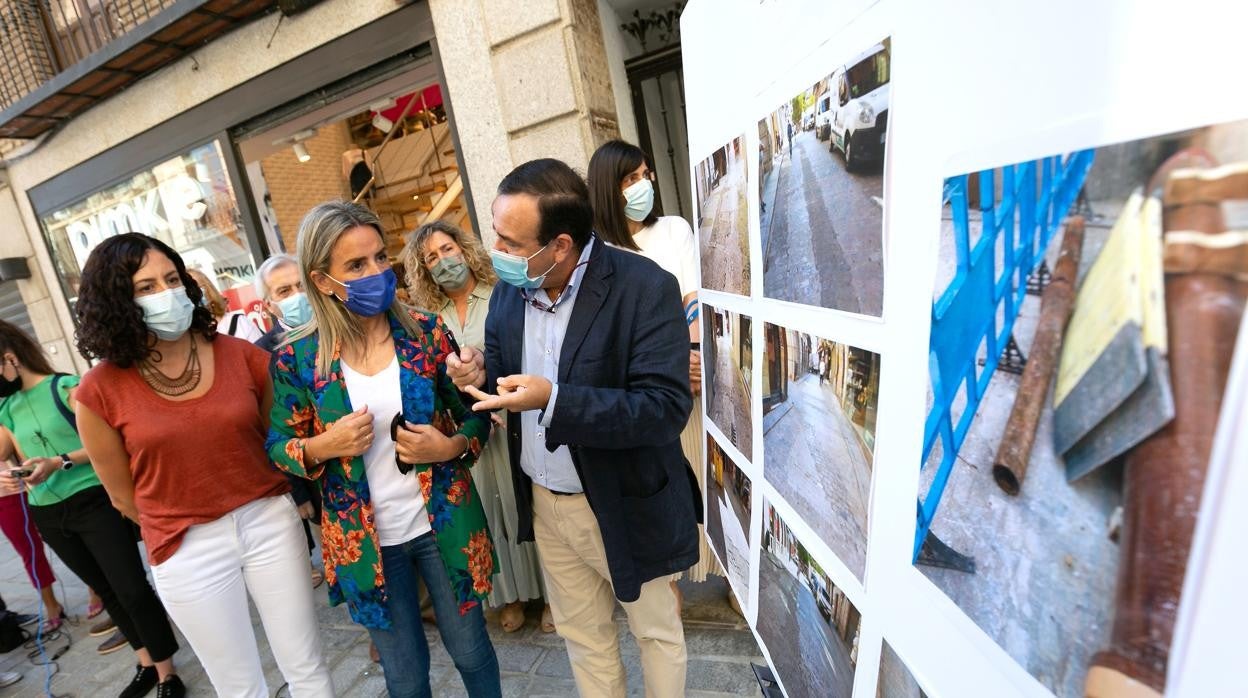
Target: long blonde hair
<point x="318" y="233"/>
<point x="426" y="293"/>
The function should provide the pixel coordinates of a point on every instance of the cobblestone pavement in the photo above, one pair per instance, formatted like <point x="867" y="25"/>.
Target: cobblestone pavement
<point x="720" y="645"/>
<point x="724" y="234"/>
<point x="825" y="239"/>
<point x="1044" y="582"/>
<point x="815" y="459"/>
<point x="729" y="403"/>
<point x="810" y="659"/>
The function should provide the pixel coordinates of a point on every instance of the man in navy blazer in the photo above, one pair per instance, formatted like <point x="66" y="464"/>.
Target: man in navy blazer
<point x="590" y="355"/>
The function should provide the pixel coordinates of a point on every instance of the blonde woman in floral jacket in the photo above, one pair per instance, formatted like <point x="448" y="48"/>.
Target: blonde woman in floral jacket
<point x="362" y="404"/>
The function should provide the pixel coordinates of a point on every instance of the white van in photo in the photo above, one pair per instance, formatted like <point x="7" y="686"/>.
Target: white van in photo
<point x="859" y="110"/>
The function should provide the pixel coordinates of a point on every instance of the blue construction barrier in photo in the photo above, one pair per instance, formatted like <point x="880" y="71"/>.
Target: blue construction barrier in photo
<point x="1017" y="226"/>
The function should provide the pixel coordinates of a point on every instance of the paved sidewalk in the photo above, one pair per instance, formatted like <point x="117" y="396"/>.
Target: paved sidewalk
<point x="533" y="663"/>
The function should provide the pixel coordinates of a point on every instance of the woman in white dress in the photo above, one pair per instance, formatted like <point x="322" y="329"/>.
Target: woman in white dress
<point x="449" y="272"/>
<point x="621" y="188"/>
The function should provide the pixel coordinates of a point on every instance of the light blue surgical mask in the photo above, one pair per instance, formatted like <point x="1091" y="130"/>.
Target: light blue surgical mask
<point x="639" y="200"/>
<point x="168" y="313"/>
<point x="295" y="309"/>
<point x="514" y="270"/>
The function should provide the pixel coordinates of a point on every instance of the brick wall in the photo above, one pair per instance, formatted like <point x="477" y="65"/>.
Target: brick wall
<point x="298" y="186"/>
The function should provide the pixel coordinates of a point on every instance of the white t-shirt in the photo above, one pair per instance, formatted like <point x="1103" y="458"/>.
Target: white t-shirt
<point x="398" y="507"/>
<point x="243" y="329"/>
<point x="669" y="243"/>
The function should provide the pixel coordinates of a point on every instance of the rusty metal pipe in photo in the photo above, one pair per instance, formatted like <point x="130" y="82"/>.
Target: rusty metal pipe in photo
<point x="1056" y="305"/>
<point x="1164" y="476"/>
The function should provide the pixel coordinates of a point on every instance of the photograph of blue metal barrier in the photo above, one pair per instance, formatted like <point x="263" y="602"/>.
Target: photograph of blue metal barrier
<point x="809" y="626"/>
<point x="1083" y="322"/>
<point x="727" y="357"/>
<point x="723" y="219"/>
<point x="821" y="188"/>
<point x="820" y="400"/>
<point x="729" y="493"/>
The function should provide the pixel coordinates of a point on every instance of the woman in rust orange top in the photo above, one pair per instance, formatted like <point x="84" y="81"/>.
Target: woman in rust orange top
<point x="174" y="419"/>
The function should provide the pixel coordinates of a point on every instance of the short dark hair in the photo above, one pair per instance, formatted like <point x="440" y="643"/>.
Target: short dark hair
<point x="562" y="198"/>
<point x="611" y="163"/>
<point x="24" y="348"/>
<point x="110" y="323"/>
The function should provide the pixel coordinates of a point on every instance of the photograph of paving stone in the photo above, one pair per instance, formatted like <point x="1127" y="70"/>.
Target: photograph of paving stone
<point x="723" y="223"/>
<point x="1076" y="377"/>
<point x="727" y="358"/>
<point x="895" y="680"/>
<point x="820" y="400"/>
<point x="728" y="495"/>
<point x="821" y="189"/>
<point x="809" y="626"/>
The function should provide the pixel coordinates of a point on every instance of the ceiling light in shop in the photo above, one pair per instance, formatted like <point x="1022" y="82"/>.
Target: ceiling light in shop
<point x="301" y="152"/>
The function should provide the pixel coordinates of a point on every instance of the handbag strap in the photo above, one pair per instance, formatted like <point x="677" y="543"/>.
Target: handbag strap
<point x="60" y="402"/>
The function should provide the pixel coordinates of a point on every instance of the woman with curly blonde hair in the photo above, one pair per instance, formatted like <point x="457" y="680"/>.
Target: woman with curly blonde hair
<point x="449" y="272"/>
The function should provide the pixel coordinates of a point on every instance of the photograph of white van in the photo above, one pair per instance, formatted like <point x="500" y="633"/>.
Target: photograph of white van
<point x="858" y="117"/>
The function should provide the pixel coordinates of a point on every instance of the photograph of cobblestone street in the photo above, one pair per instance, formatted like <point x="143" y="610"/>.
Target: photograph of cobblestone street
<point x="821" y="212"/>
<point x="809" y="626"/>
<point x="723" y="223"/>
<point x="728" y="495"/>
<point x="819" y="410"/>
<point x="727" y="356"/>
<point x="895" y="679"/>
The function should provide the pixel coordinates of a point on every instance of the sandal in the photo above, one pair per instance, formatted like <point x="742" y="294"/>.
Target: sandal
<point x="548" y="620"/>
<point x="318" y="578"/>
<point x="512" y="617"/>
<point x="53" y="624"/>
<point x="94" y="609"/>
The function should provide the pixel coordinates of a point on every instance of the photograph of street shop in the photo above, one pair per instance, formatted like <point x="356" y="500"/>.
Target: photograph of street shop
<point x="1075" y="392"/>
<point x="809" y="626"/>
<point x="821" y="189"/>
<point x="727" y="358"/>
<point x="895" y="679"/>
<point x="723" y="231"/>
<point x="819" y="410"/>
<point x="728" y="496"/>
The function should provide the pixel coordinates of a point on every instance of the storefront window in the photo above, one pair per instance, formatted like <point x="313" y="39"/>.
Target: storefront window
<point x="186" y="201"/>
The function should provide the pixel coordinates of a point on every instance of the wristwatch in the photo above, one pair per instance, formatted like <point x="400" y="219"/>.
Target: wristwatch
<point x="66" y="462"/>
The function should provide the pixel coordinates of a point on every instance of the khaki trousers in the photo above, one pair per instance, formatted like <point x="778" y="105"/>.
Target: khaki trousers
<point x="578" y="587"/>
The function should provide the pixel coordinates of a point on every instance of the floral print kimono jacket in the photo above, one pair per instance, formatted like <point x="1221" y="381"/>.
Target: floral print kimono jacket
<point x="304" y="404"/>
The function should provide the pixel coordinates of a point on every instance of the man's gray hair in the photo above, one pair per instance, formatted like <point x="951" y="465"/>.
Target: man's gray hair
<point x="262" y="274"/>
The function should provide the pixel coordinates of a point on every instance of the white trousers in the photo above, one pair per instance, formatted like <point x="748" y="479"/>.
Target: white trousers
<point x="258" y="548"/>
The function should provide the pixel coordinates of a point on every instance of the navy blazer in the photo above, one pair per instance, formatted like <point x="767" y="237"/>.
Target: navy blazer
<point x="624" y="399"/>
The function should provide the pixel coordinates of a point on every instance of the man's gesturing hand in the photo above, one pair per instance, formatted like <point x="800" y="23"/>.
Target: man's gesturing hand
<point x="516" y="393"/>
<point x="467" y="368"/>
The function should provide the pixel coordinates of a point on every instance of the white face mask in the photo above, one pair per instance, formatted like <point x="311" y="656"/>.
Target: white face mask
<point x="168" y="313"/>
<point x="639" y="200"/>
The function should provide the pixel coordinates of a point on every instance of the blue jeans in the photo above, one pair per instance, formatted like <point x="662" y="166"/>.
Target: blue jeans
<point x="403" y="649"/>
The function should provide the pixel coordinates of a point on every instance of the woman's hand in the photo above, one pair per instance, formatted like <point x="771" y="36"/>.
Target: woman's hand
<point x="348" y="437"/>
<point x="42" y="467"/>
<point x="422" y="443"/>
<point x="9" y="485"/>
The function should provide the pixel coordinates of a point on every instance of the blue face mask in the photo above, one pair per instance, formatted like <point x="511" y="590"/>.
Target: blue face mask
<point x="295" y="309"/>
<point x="639" y="200"/>
<point x="370" y="295"/>
<point x="514" y="270"/>
<point x="168" y="313"/>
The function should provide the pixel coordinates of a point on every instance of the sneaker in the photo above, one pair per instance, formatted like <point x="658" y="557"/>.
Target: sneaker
<point x="25" y="618"/>
<point x="8" y="678"/>
<point x="103" y="628"/>
<point x="144" y="681"/>
<point x="171" y="688"/>
<point x="114" y="642"/>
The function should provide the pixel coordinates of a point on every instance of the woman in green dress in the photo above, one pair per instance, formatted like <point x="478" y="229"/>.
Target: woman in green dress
<point x="448" y="271"/>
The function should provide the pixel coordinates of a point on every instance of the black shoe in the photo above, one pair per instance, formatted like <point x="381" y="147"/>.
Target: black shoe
<point x="145" y="678"/>
<point x="171" y="688"/>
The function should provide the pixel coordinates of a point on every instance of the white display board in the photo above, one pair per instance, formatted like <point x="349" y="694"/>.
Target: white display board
<point x="829" y="238"/>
